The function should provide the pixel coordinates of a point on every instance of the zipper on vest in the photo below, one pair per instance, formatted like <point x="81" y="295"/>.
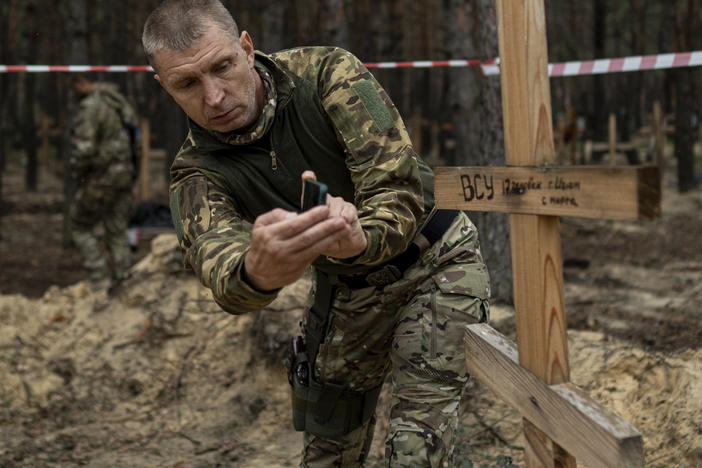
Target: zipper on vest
<point x="274" y="160"/>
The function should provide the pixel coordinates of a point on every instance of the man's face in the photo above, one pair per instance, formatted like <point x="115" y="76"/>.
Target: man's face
<point x="213" y="81"/>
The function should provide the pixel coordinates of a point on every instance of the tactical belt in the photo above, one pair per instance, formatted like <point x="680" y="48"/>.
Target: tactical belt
<point x="326" y="409"/>
<point x="392" y="270"/>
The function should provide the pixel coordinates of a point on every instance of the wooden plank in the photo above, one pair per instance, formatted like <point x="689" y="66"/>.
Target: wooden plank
<point x="564" y="412"/>
<point x="620" y="147"/>
<point x="631" y="192"/>
<point x="534" y="240"/>
<point x="612" y="139"/>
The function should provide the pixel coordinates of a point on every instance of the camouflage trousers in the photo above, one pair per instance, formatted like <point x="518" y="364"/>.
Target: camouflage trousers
<point x="413" y="329"/>
<point x="109" y="207"/>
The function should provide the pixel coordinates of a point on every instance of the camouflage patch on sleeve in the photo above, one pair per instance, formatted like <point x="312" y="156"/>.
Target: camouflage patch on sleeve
<point x="389" y="193"/>
<point x="374" y="105"/>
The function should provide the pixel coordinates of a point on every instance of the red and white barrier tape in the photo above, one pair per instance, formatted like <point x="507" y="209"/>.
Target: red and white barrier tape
<point x="489" y="68"/>
<point x="626" y="64"/>
<point x="72" y="68"/>
<point x="425" y="64"/>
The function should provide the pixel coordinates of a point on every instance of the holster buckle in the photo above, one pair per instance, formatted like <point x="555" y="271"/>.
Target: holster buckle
<point x="386" y="275"/>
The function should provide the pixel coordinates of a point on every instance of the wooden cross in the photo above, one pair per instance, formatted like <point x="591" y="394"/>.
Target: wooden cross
<point x="561" y="423"/>
<point x="45" y="132"/>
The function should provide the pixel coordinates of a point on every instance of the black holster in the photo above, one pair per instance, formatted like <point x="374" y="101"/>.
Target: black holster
<point x="324" y="409"/>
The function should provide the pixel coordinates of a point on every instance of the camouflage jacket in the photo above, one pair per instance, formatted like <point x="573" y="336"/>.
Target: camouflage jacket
<point x="100" y="142"/>
<point x="390" y="185"/>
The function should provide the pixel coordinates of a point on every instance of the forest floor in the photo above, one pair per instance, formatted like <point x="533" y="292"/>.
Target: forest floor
<point x="157" y="376"/>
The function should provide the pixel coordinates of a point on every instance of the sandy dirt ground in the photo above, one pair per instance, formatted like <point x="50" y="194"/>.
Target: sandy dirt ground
<point x="157" y="376"/>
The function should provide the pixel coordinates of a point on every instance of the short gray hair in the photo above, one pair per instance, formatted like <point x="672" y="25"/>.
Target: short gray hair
<point x="176" y="24"/>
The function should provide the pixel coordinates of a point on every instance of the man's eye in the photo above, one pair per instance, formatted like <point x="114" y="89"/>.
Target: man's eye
<point x="224" y="66"/>
<point x="186" y="84"/>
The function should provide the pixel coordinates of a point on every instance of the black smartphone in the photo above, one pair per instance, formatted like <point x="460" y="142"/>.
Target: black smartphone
<point x="313" y="193"/>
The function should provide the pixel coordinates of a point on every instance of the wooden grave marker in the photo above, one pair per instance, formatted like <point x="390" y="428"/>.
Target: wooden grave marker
<point x="561" y="422"/>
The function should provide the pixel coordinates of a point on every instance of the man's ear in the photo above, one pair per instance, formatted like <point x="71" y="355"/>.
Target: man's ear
<point x="247" y="45"/>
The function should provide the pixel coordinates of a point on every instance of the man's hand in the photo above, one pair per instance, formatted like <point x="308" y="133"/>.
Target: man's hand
<point x="354" y="242"/>
<point x="284" y="244"/>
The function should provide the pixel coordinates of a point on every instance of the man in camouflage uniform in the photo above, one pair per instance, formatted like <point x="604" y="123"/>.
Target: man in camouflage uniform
<point x="259" y="124"/>
<point x="103" y="169"/>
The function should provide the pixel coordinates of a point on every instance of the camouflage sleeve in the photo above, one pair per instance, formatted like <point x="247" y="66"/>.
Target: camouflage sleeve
<point x="214" y="239"/>
<point x="379" y="154"/>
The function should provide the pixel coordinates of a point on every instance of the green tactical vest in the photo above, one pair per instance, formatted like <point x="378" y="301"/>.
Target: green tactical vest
<point x="265" y="174"/>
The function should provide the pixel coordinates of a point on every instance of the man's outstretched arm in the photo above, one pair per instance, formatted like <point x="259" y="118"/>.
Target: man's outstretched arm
<point x="245" y="266"/>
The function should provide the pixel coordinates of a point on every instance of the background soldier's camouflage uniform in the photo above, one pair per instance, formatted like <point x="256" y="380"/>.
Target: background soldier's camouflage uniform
<point x="413" y="327"/>
<point x="101" y="163"/>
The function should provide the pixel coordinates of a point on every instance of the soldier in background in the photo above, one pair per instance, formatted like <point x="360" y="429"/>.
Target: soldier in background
<point x="396" y="280"/>
<point x="103" y="166"/>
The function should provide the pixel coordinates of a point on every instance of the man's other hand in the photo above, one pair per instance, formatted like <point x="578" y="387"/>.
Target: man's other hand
<point x="355" y="242"/>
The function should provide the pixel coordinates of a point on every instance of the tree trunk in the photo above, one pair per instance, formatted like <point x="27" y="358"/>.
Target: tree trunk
<point x="686" y="120"/>
<point x="305" y="12"/>
<point x="362" y="37"/>
<point x="493" y="227"/>
<point x="461" y="86"/>
<point x="665" y="39"/>
<point x="333" y="24"/>
<point x="685" y="123"/>
<point x="5" y="8"/>
<point x="9" y="26"/>
<point x="599" y="105"/>
<point x="397" y="83"/>
<point x="274" y="26"/>
<point x="76" y="31"/>
<point x="29" y="127"/>
<point x="637" y="16"/>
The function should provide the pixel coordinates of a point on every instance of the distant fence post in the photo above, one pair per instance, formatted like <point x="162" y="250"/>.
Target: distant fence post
<point x="612" y="139"/>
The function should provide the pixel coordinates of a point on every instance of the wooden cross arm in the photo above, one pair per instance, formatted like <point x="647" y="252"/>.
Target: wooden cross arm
<point x="582" y="191"/>
<point x="565" y="413"/>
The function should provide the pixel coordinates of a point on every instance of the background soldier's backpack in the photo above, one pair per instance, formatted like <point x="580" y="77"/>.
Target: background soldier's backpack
<point x="131" y="124"/>
<point x="129" y="119"/>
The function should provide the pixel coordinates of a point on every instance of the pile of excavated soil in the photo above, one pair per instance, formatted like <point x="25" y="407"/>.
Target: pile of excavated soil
<point x="158" y="375"/>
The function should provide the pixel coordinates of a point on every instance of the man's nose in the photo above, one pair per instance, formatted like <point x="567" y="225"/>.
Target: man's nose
<point x="214" y="93"/>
